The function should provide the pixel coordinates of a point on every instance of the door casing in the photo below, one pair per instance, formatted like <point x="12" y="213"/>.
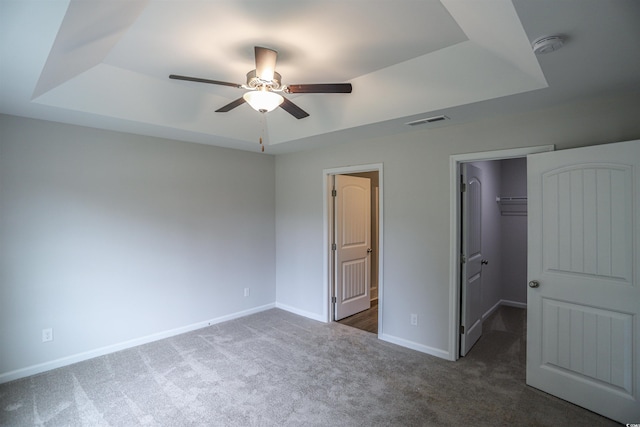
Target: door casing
<point x="328" y="174"/>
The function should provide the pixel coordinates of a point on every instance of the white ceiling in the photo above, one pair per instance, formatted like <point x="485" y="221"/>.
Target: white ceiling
<point x="105" y="63"/>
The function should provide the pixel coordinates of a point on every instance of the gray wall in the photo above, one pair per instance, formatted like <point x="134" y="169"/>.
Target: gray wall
<point x="416" y="207"/>
<point x="513" y="182"/>
<point x="504" y="237"/>
<point x="112" y="238"/>
<point x="109" y="237"/>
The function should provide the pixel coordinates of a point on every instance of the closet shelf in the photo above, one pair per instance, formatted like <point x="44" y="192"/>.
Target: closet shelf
<point x="510" y="205"/>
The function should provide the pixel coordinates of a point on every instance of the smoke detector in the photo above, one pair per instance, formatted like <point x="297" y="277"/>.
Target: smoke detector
<point x="547" y="44"/>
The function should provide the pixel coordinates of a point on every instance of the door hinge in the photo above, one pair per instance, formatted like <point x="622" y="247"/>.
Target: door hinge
<point x="463" y="259"/>
<point x="334" y="193"/>
<point x="463" y="185"/>
<point x="333" y="300"/>
<point x="333" y="247"/>
<point x="462" y="329"/>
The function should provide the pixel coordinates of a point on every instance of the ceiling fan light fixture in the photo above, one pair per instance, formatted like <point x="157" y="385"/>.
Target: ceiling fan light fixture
<point x="263" y="100"/>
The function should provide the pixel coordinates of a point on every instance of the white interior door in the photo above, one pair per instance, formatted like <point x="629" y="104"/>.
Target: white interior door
<point x="583" y="317"/>
<point x="471" y="293"/>
<point x="352" y="245"/>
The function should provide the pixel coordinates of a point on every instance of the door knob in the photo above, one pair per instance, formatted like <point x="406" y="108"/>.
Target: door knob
<point x="369" y="250"/>
<point x="534" y="284"/>
<point x="484" y="262"/>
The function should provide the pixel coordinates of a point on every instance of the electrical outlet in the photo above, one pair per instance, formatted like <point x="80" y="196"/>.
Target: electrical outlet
<point x="247" y="291"/>
<point x="414" y="319"/>
<point x="47" y="335"/>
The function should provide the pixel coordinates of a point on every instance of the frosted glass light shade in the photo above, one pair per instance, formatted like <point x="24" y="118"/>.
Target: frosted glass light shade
<point x="263" y="100"/>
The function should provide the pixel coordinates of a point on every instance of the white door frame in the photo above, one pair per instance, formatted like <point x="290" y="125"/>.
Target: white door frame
<point x="454" y="229"/>
<point x="327" y="175"/>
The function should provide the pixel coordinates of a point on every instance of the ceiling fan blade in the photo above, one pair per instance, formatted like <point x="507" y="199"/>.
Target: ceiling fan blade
<point x="199" y="80"/>
<point x="265" y="63"/>
<point x="320" y="88"/>
<point x="230" y="106"/>
<point x="293" y="109"/>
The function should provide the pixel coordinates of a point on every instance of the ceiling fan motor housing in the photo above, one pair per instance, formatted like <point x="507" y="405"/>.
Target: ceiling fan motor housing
<point x="254" y="82"/>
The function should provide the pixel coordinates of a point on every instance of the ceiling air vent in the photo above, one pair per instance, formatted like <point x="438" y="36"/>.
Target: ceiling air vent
<point x="433" y="119"/>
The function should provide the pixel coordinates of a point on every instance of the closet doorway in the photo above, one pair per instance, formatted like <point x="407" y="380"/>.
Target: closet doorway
<point x="456" y="163"/>
<point x="493" y="241"/>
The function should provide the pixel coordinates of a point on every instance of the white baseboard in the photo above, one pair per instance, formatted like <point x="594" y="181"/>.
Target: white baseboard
<point x="415" y="346"/>
<point x="68" y="360"/>
<point x="303" y="313"/>
<point x="384" y="337"/>
<point x="513" y="303"/>
<point x="491" y="310"/>
<point x="502" y="302"/>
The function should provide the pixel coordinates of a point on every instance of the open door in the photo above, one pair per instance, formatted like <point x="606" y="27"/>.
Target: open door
<point x="583" y="317"/>
<point x="471" y="303"/>
<point x="352" y="245"/>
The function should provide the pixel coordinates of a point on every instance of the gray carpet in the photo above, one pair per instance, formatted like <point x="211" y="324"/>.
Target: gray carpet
<point x="278" y="369"/>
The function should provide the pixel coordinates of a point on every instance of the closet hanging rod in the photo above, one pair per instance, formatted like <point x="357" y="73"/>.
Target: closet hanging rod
<point x="501" y="199"/>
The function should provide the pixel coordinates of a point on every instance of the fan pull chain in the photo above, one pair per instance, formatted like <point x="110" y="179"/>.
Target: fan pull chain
<point x="263" y="123"/>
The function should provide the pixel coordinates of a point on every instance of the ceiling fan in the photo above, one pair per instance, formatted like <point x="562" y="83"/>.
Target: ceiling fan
<point x="264" y="85"/>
